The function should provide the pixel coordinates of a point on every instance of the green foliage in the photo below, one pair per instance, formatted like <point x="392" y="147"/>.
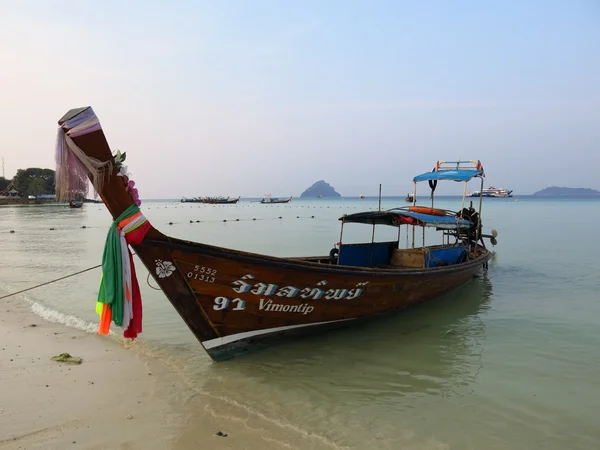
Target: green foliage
<point x="34" y="181"/>
<point x="37" y="186"/>
<point x="4" y="183"/>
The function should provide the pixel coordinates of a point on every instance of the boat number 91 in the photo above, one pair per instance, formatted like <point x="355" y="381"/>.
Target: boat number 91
<point x="203" y="274"/>
<point x="223" y="302"/>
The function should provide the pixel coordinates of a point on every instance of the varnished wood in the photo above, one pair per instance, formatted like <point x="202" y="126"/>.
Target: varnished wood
<point x="267" y="295"/>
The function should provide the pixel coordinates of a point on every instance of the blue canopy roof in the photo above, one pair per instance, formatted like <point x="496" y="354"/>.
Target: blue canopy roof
<point x="453" y="170"/>
<point x="393" y="217"/>
<point x="454" y="175"/>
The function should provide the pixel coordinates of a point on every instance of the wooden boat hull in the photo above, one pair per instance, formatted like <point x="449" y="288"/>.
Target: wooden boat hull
<point x="225" y="202"/>
<point x="212" y="202"/>
<point x="273" y="202"/>
<point x="234" y="302"/>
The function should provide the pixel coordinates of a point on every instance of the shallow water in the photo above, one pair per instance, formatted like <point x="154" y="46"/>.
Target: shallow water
<point x="508" y="361"/>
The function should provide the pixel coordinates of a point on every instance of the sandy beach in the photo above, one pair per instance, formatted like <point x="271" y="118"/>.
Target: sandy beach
<point x="107" y="401"/>
<point x="117" y="398"/>
<point x="112" y="400"/>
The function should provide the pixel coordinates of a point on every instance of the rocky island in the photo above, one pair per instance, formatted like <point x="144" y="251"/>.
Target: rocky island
<point x="555" y="191"/>
<point x="320" y="189"/>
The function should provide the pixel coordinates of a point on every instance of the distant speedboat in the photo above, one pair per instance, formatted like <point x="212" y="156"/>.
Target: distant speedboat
<point x="493" y="192"/>
<point x="410" y="198"/>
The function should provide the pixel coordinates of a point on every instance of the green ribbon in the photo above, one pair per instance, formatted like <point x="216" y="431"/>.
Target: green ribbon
<point x="111" y="285"/>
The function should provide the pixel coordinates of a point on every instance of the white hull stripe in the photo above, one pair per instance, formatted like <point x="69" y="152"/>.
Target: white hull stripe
<point x="239" y="336"/>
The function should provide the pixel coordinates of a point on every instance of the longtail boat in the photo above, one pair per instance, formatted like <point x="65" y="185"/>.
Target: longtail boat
<point x="273" y="200"/>
<point x="212" y="200"/>
<point x="235" y="301"/>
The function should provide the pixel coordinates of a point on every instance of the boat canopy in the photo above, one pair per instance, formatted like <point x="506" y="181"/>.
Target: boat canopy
<point x="397" y="217"/>
<point x="453" y="170"/>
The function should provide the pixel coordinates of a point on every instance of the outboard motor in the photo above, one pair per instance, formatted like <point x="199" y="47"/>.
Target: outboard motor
<point x="334" y="254"/>
<point x="472" y="216"/>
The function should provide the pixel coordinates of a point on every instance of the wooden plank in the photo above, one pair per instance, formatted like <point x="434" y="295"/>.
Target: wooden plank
<point x="408" y="257"/>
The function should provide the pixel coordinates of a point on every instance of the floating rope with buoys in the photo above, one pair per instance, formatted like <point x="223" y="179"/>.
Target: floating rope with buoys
<point x="244" y="219"/>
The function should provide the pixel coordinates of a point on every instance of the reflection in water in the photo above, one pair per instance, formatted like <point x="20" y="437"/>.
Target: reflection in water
<point x="376" y="369"/>
<point x="430" y="348"/>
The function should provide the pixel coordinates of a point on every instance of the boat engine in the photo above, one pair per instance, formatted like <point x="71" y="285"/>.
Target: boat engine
<point x="334" y="254"/>
<point x="472" y="216"/>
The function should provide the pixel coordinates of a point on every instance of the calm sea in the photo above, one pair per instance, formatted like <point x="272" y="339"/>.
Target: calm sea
<point x="508" y="361"/>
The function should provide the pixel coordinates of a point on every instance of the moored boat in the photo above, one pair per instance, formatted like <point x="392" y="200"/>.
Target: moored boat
<point x="212" y="200"/>
<point x="410" y="198"/>
<point x="235" y="301"/>
<point x="271" y="200"/>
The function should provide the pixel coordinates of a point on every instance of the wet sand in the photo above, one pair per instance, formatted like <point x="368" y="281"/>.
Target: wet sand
<point x="107" y="401"/>
<point x="117" y="398"/>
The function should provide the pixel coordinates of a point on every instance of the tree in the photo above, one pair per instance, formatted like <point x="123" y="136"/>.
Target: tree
<point x="4" y="183"/>
<point x="37" y="186"/>
<point x="34" y="181"/>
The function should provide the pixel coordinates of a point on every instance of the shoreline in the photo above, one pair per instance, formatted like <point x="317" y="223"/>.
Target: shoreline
<point x="118" y="397"/>
<point x="110" y="400"/>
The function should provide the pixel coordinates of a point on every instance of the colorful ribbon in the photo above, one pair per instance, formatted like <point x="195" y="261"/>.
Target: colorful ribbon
<point x="119" y="298"/>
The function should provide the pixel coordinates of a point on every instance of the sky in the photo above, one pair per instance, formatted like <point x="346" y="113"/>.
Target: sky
<point x="254" y="97"/>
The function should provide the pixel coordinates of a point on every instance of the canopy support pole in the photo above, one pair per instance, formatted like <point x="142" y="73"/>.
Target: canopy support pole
<point x="413" y="227"/>
<point x="372" y="242"/>
<point x="478" y="233"/>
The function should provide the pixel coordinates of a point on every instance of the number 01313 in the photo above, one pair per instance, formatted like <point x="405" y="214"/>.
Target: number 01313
<point x="203" y="274"/>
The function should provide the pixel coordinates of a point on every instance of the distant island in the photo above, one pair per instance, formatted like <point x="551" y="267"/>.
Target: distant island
<point x="320" y="189"/>
<point x="555" y="191"/>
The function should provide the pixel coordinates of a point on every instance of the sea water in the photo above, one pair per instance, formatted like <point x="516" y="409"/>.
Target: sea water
<point x="508" y="361"/>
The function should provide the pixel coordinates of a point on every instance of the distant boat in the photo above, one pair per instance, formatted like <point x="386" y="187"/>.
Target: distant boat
<point x="492" y="192"/>
<point x="361" y="196"/>
<point x="269" y="199"/>
<point x="211" y="200"/>
<point x="410" y="198"/>
<point x="91" y="200"/>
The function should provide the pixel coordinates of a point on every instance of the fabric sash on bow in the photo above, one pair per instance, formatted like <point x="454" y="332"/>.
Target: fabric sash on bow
<point x="119" y="298"/>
